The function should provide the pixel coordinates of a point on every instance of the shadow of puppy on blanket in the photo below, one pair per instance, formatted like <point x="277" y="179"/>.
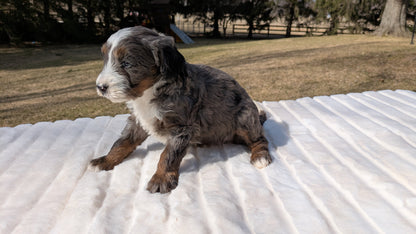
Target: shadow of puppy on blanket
<point x="180" y="104"/>
<point x="276" y="132"/>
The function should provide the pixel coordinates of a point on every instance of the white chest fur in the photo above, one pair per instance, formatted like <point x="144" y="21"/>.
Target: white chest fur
<point x="147" y="113"/>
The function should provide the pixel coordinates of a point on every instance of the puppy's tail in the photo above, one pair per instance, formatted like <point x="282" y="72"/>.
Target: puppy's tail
<point x="262" y="113"/>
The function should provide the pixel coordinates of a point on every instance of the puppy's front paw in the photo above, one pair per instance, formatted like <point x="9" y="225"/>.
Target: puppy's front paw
<point x="99" y="164"/>
<point x="261" y="159"/>
<point x="163" y="183"/>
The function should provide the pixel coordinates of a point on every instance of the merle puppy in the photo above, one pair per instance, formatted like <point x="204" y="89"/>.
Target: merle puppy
<point x="180" y="104"/>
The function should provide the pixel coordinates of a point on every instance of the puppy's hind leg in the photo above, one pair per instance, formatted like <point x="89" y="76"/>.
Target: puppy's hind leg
<point x="132" y="136"/>
<point x="260" y="156"/>
<point x="258" y="146"/>
<point x="250" y="132"/>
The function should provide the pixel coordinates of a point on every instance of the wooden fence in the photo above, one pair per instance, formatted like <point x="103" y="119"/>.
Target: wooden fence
<point x="238" y="30"/>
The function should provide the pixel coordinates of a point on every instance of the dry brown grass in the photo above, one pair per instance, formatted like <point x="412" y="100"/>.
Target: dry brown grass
<point x="51" y="83"/>
<point x="299" y="67"/>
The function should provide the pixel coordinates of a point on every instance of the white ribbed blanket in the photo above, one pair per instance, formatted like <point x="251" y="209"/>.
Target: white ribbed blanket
<point x="342" y="164"/>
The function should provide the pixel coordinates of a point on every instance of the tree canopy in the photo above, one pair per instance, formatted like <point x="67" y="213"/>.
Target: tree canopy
<point x="94" y="20"/>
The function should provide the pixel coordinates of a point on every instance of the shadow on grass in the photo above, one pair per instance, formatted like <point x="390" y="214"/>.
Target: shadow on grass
<point x="50" y="93"/>
<point x="70" y="55"/>
<point x="202" y="41"/>
<point x="48" y="56"/>
<point x="31" y="108"/>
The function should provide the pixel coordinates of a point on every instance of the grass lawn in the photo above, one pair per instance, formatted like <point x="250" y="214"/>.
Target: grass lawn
<point x="57" y="82"/>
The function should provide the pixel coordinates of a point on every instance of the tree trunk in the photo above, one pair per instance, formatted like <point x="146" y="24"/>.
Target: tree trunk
<point x="46" y="10"/>
<point x="70" y="11"/>
<point x="90" y="16"/>
<point x="333" y="26"/>
<point x="224" y="27"/>
<point x="290" y="21"/>
<point x="216" y="31"/>
<point x="250" y="29"/>
<point x="120" y="9"/>
<point x="393" y="21"/>
<point x="107" y="17"/>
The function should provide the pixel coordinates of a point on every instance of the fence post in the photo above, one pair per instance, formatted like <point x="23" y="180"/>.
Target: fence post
<point x="233" y="29"/>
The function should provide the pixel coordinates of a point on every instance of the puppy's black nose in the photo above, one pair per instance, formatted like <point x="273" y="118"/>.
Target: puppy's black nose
<point x="102" y="88"/>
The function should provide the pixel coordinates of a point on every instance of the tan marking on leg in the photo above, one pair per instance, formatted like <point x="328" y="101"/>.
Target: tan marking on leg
<point x="259" y="149"/>
<point x="166" y="176"/>
<point x="119" y="151"/>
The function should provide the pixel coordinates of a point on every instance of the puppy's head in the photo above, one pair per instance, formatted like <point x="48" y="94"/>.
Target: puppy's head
<point x="134" y="60"/>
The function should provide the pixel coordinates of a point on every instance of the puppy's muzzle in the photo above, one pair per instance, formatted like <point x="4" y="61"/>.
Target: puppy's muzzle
<point x="102" y="88"/>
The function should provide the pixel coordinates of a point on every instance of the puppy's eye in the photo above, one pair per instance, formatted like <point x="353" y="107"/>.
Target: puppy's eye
<point x="125" y="64"/>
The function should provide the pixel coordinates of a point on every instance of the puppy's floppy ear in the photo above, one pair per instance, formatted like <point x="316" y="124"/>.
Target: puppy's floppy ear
<point x="170" y="62"/>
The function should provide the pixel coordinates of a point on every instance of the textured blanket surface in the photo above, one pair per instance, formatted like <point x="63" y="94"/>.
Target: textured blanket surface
<point x="341" y="164"/>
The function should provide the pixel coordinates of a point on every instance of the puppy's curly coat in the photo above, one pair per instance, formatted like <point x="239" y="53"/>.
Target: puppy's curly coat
<point x="179" y="103"/>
